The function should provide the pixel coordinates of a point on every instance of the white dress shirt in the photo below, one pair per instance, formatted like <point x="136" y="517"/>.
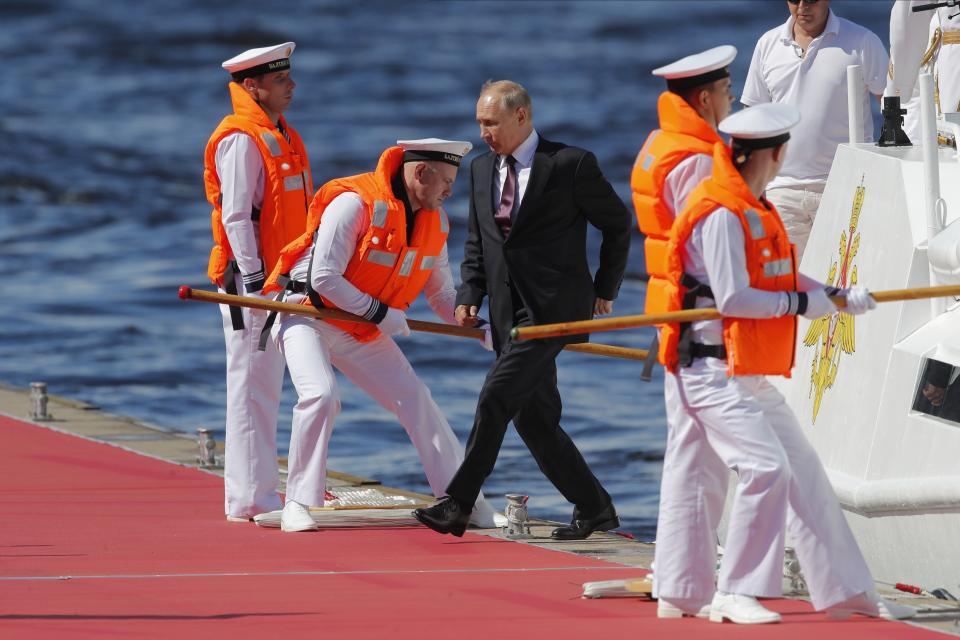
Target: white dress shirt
<point x="343" y="225"/>
<point x="683" y="179"/>
<point x="240" y="169"/>
<point x="523" y="154"/>
<point x="815" y="82"/>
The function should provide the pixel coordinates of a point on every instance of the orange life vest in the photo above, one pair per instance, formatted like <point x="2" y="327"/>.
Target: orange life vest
<point x="682" y="133"/>
<point x="754" y="346"/>
<point x="384" y="265"/>
<point x="287" y="182"/>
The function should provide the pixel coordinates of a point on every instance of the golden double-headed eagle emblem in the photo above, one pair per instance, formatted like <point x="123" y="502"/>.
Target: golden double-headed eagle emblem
<point x="833" y="335"/>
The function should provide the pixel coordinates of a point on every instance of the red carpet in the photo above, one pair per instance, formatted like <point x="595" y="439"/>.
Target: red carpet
<point x="98" y="542"/>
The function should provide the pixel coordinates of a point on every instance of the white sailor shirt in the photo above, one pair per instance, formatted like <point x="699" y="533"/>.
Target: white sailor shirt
<point x="240" y="169"/>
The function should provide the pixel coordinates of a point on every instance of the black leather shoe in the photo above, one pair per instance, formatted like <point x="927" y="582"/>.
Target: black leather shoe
<point x="444" y="517"/>
<point x="581" y="528"/>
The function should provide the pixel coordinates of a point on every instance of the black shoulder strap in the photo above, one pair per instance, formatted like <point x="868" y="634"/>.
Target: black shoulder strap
<point x="694" y="289"/>
<point x="315" y="298"/>
<point x="230" y="286"/>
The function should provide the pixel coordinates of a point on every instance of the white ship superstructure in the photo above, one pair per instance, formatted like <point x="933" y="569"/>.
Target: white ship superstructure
<point x="889" y="219"/>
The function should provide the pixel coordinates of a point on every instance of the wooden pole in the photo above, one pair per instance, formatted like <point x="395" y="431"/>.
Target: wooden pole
<point x="708" y="313"/>
<point x="609" y="350"/>
<point x="188" y="293"/>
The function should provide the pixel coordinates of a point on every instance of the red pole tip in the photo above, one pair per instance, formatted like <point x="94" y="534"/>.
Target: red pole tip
<point x="184" y="292"/>
<point x="909" y="588"/>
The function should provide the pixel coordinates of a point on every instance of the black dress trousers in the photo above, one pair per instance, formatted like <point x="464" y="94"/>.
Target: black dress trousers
<point x="521" y="385"/>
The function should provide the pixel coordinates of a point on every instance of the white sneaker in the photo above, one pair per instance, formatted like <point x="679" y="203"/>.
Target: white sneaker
<point x="296" y="517"/>
<point x="667" y="610"/>
<point x="238" y="519"/>
<point x="740" y="609"/>
<point x="871" y="604"/>
<point x="893" y="611"/>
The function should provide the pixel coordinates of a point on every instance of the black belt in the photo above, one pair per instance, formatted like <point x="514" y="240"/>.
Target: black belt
<point x="294" y="286"/>
<point x="698" y="350"/>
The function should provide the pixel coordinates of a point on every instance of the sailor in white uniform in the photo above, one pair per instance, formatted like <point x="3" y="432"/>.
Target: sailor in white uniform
<point x="314" y="348"/>
<point x="750" y="429"/>
<point x="924" y="41"/>
<point x="261" y="90"/>
<point x="699" y="99"/>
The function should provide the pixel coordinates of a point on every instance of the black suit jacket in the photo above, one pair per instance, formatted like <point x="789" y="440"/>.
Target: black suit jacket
<point x="545" y="254"/>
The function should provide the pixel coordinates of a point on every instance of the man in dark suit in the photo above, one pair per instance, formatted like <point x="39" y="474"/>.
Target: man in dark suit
<point x="530" y="202"/>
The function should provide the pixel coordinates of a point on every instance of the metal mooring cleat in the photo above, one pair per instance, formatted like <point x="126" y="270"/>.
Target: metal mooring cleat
<point x="38" y="401"/>
<point x="518" y="522"/>
<point x="208" y="448"/>
<point x="794" y="581"/>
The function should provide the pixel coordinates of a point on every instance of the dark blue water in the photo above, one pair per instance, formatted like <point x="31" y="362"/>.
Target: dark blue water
<point x="105" y="108"/>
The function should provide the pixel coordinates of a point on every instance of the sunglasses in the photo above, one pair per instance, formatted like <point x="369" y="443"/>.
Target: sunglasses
<point x="805" y="1"/>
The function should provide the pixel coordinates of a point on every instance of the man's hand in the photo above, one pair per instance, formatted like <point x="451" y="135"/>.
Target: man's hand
<point x="466" y="316"/>
<point x="933" y="394"/>
<point x="602" y="307"/>
<point x="859" y="300"/>
<point x="394" y="323"/>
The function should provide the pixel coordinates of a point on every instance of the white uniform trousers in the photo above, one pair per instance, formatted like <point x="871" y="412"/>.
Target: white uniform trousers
<point x="948" y="77"/>
<point x="312" y="348"/>
<point x="748" y="428"/>
<point x="693" y="490"/>
<point x="254" y="382"/>
<point x="797" y="206"/>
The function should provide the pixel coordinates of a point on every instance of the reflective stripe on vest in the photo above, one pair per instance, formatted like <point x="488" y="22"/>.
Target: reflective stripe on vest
<point x="648" y="158"/>
<point x="756" y="227"/>
<point x="383" y="258"/>
<point x="408" y="259"/>
<point x="427" y="262"/>
<point x="292" y="183"/>
<point x="776" y="268"/>
<point x="272" y="143"/>
<point x="379" y="214"/>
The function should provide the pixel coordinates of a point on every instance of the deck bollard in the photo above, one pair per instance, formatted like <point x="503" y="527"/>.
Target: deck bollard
<point x="518" y="522"/>
<point x="208" y="448"/>
<point x="38" y="401"/>
<point x="793" y="580"/>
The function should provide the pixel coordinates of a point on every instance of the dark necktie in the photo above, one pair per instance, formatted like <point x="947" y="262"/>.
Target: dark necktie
<point x="508" y="197"/>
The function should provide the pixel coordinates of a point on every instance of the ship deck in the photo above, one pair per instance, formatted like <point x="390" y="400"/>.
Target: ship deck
<point x="100" y="540"/>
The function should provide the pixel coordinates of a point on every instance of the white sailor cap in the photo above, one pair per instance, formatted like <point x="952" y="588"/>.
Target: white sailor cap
<point x="434" y="149"/>
<point x="255" y="62"/>
<point x="699" y="68"/>
<point x="762" y="126"/>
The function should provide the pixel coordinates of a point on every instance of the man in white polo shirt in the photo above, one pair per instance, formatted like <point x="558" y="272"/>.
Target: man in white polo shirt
<point x="804" y="63"/>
